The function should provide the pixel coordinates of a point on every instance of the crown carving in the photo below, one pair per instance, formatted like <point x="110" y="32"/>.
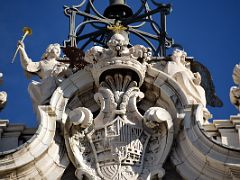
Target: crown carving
<point x="118" y="57"/>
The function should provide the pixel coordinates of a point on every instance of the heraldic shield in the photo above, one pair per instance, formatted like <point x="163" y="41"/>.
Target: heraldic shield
<point x="119" y="148"/>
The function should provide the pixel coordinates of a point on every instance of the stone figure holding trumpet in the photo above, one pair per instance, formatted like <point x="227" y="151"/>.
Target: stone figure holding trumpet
<point x="48" y="69"/>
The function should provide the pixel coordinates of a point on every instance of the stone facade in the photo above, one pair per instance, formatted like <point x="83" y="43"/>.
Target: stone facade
<point x="124" y="115"/>
<point x="120" y="118"/>
<point x="13" y="135"/>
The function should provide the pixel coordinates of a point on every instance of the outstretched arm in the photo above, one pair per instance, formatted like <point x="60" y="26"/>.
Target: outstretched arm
<point x="26" y="62"/>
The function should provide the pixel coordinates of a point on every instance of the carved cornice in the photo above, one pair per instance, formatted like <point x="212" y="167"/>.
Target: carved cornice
<point x="29" y="160"/>
<point x="118" y="104"/>
<point x="196" y="155"/>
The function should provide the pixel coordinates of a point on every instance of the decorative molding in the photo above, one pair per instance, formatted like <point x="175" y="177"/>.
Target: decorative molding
<point x="196" y="155"/>
<point x="29" y="160"/>
<point x="121" y="117"/>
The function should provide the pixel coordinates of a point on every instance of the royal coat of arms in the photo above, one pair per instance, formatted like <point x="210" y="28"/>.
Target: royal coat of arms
<point x="119" y="146"/>
<point x="119" y="143"/>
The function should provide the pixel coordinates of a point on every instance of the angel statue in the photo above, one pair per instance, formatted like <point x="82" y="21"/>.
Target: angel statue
<point x="235" y="90"/>
<point x="180" y="70"/>
<point x="48" y="69"/>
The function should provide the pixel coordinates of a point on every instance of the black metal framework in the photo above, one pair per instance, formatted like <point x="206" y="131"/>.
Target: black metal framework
<point x="156" y="38"/>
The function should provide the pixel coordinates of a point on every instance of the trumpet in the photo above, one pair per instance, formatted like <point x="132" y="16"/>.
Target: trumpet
<point x="26" y="31"/>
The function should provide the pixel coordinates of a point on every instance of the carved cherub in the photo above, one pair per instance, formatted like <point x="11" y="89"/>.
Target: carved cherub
<point x="49" y="70"/>
<point x="140" y="52"/>
<point x="118" y="46"/>
<point x="119" y="43"/>
<point x="93" y="54"/>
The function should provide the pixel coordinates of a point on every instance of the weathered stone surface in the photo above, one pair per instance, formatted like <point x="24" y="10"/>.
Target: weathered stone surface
<point x="120" y="118"/>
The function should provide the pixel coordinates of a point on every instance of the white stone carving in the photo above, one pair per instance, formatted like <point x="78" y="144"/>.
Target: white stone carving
<point x="3" y="99"/>
<point x="179" y="69"/>
<point x="50" y="71"/>
<point x="119" y="116"/>
<point x="119" y="143"/>
<point x="79" y="119"/>
<point x="155" y="116"/>
<point x="117" y="47"/>
<point x="118" y="56"/>
<point x="3" y="94"/>
<point x="235" y="90"/>
<point x="81" y="116"/>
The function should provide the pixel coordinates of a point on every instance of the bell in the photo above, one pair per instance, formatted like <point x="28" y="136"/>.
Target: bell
<point x="117" y="9"/>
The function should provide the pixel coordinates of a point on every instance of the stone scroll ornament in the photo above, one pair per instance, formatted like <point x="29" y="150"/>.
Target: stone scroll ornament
<point x="119" y="142"/>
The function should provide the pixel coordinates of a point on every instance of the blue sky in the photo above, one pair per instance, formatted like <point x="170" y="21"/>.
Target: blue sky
<point x="207" y="29"/>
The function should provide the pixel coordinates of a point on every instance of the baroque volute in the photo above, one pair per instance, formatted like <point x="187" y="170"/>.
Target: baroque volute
<point x="121" y="111"/>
